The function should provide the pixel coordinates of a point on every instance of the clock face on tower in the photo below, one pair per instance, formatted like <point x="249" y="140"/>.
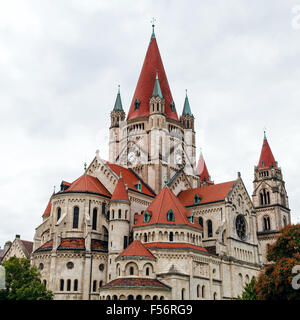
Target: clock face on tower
<point x="131" y="156"/>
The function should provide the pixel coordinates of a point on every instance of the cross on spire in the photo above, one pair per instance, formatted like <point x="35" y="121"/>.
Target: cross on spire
<point x="153" y="25"/>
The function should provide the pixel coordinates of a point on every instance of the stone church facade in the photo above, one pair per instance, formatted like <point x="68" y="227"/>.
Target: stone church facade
<point x="149" y="223"/>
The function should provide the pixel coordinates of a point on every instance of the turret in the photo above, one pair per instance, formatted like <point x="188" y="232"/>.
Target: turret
<point x="118" y="224"/>
<point x="202" y="171"/>
<point x="269" y="198"/>
<point x="187" y="120"/>
<point x="117" y="116"/>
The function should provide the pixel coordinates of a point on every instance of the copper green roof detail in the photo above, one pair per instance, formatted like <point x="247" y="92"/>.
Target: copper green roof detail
<point x="118" y="103"/>
<point x="157" y="90"/>
<point x="186" y="107"/>
<point x="153" y="25"/>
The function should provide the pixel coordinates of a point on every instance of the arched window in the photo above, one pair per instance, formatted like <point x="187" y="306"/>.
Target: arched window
<point x="267" y="224"/>
<point x="45" y="283"/>
<point x="68" y="285"/>
<point x="200" y="221"/>
<point x="171" y="236"/>
<point x="198" y="291"/>
<point x="112" y="214"/>
<point x="94" y="286"/>
<point x="115" y="297"/>
<point x="203" y="291"/>
<point x="58" y="214"/>
<point x="75" y="285"/>
<point x="130" y="297"/>
<point x="183" y="294"/>
<point x="215" y="296"/>
<point x="147" y="216"/>
<point x="147" y="271"/>
<point x="61" y="286"/>
<point x="100" y="284"/>
<point x="103" y="208"/>
<point x="264" y="197"/>
<point x="170" y="215"/>
<point x="284" y="221"/>
<point x="95" y="214"/>
<point x="131" y="271"/>
<point x="139" y="297"/>
<point x="75" y="217"/>
<point x="120" y="213"/>
<point x="145" y="237"/>
<point x="209" y="229"/>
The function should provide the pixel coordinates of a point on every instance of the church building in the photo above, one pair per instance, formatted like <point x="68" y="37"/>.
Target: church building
<point x="149" y="223"/>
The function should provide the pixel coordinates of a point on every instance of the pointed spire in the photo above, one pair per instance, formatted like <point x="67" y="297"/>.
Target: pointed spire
<point x="157" y="90"/>
<point x="118" y="103"/>
<point x="186" y="107"/>
<point x="144" y="88"/>
<point x="202" y="169"/>
<point x="266" y="159"/>
<point x="85" y="168"/>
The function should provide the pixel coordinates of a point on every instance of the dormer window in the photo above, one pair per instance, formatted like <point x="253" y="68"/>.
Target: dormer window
<point x="170" y="215"/>
<point x="137" y="103"/>
<point x="192" y="219"/>
<point x="262" y="163"/>
<point x="147" y="217"/>
<point x="196" y="199"/>
<point x="139" y="186"/>
<point x="172" y="105"/>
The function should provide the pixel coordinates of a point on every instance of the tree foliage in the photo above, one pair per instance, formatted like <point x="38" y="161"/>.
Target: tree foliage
<point x="275" y="282"/>
<point x="23" y="281"/>
<point x="249" y="292"/>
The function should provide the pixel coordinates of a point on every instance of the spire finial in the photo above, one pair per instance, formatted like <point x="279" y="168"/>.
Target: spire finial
<point x="85" y="168"/>
<point x="54" y="189"/>
<point x="120" y="173"/>
<point x="265" y="136"/>
<point x="153" y="25"/>
<point x="166" y="181"/>
<point x="118" y="89"/>
<point x="186" y="92"/>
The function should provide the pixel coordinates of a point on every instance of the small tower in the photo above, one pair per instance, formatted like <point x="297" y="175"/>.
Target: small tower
<point x="119" y="222"/>
<point x="117" y="116"/>
<point x="187" y="120"/>
<point x="202" y="171"/>
<point x="269" y="198"/>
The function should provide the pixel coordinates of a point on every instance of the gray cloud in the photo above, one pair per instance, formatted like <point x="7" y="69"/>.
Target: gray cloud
<point x="61" y="62"/>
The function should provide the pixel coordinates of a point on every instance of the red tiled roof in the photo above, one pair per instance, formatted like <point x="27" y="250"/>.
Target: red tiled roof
<point x="175" y="245"/>
<point x="28" y="246"/>
<point x="152" y="64"/>
<point x="46" y="246"/>
<point x="136" y="249"/>
<point x="160" y="206"/>
<point x="48" y="209"/>
<point x="207" y="194"/>
<point x="87" y="183"/>
<point x="130" y="178"/>
<point x="136" y="282"/>
<point x="98" y="245"/>
<point x="72" y="243"/>
<point x="120" y="192"/>
<point x="266" y="156"/>
<point x="202" y="169"/>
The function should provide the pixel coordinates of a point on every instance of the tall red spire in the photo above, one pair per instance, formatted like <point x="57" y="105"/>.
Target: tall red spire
<point x="152" y="66"/>
<point x="202" y="170"/>
<point x="266" y="159"/>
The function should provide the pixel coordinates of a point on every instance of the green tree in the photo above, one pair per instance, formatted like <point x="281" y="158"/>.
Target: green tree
<point x="23" y="281"/>
<point x="249" y="292"/>
<point x="275" y="282"/>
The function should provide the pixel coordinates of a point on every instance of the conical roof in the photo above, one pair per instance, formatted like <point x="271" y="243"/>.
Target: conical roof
<point x="266" y="159"/>
<point x="202" y="169"/>
<point x="48" y="209"/>
<point x="87" y="183"/>
<point x="120" y="192"/>
<point x="118" y="103"/>
<point x="186" y="107"/>
<point x="158" y="210"/>
<point x="136" y="249"/>
<point x="152" y="65"/>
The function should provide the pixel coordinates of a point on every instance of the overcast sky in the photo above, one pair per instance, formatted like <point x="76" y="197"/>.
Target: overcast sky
<point x="61" y="62"/>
